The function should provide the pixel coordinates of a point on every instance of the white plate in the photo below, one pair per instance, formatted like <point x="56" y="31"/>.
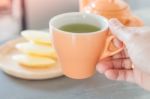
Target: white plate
<point x="11" y="67"/>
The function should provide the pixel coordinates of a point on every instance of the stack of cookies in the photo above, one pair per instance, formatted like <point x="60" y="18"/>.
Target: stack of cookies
<point x="37" y="51"/>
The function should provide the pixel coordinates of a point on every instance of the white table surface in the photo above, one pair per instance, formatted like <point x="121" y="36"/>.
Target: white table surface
<point x="97" y="87"/>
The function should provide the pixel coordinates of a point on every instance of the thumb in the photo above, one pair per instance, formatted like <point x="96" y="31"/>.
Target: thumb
<point x="119" y="30"/>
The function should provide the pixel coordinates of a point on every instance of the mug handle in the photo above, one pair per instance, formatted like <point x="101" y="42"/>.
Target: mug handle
<point x="110" y="49"/>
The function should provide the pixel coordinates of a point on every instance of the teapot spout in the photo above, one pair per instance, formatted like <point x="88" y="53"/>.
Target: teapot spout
<point x="83" y="3"/>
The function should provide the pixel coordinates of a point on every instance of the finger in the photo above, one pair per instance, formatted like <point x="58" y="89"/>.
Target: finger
<point x="119" y="30"/>
<point x="121" y="75"/>
<point x="117" y="61"/>
<point x="122" y="61"/>
<point x="104" y="65"/>
<point x="110" y="63"/>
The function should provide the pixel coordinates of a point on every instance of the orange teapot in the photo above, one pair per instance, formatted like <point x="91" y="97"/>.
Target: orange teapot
<point x="111" y="9"/>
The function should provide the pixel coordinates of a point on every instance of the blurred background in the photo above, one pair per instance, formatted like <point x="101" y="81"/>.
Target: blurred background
<point x="17" y="15"/>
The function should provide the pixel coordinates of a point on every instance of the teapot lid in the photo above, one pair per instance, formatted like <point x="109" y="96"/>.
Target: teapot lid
<point x="109" y="5"/>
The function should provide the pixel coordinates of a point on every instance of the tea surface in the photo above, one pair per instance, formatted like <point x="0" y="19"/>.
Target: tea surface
<point x="79" y="28"/>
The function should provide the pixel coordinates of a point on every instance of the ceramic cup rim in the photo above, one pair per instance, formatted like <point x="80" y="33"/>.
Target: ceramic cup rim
<point x="53" y="19"/>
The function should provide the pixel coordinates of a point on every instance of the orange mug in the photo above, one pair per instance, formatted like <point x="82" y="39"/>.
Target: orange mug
<point x="79" y="53"/>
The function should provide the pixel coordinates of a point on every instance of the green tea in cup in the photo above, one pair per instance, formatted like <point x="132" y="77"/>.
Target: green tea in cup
<point x="79" y="28"/>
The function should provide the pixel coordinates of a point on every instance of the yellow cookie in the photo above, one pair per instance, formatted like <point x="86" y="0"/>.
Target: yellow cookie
<point x="37" y="36"/>
<point x="36" y="49"/>
<point x="32" y="61"/>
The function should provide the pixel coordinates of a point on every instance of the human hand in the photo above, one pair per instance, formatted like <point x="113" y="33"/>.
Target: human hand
<point x="137" y="53"/>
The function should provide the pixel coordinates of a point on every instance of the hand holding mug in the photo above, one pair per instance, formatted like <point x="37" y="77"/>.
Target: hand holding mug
<point x="137" y="53"/>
